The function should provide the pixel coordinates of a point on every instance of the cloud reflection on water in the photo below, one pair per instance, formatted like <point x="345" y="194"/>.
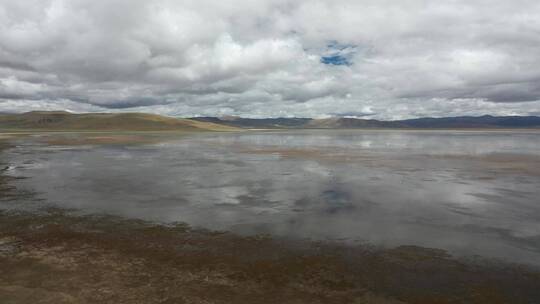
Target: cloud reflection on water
<point x="432" y="189"/>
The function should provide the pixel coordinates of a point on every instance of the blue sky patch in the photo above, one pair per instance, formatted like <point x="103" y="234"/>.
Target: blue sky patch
<point x="338" y="54"/>
<point x="335" y="60"/>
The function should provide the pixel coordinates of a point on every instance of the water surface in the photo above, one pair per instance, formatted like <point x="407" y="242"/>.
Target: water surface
<point x="471" y="193"/>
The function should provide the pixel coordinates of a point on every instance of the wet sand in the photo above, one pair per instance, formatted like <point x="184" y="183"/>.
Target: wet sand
<point x="57" y="256"/>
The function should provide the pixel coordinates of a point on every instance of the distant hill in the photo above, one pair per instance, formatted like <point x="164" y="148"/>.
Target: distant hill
<point x="254" y="123"/>
<point x="57" y="121"/>
<point x="485" y="121"/>
<point x="350" y="123"/>
<point x="462" y="122"/>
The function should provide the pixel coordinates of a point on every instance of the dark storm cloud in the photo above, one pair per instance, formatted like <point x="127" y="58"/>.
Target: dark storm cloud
<point x="386" y="59"/>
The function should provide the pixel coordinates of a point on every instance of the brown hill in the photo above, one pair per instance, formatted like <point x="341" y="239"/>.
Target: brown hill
<point x="65" y="121"/>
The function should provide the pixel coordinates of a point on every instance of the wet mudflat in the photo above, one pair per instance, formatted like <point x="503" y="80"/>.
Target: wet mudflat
<point x="54" y="258"/>
<point x="304" y="218"/>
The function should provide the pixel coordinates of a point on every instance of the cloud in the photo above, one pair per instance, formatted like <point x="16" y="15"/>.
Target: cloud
<point x="385" y="59"/>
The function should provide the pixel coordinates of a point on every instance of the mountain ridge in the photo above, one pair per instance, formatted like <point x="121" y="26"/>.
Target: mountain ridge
<point x="63" y="120"/>
<point x="465" y="122"/>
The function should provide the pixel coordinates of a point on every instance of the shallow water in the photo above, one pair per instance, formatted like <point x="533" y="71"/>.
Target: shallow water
<point x="471" y="193"/>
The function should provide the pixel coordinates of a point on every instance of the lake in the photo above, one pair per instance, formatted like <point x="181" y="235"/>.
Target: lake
<point x="472" y="193"/>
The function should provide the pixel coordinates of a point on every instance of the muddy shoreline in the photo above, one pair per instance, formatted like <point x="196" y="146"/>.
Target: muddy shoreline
<point x="73" y="259"/>
<point x="55" y="256"/>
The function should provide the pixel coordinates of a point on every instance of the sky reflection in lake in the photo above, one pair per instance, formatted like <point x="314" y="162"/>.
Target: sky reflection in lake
<point x="467" y="192"/>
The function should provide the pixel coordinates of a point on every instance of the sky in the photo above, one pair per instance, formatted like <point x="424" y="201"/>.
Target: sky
<point x="376" y="59"/>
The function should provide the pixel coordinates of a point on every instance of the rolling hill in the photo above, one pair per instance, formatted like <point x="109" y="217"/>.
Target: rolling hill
<point x="65" y="121"/>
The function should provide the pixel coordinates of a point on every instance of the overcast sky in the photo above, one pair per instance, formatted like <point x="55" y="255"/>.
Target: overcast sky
<point x="280" y="58"/>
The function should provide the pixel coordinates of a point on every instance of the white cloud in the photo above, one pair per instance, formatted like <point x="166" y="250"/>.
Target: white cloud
<point x="264" y="58"/>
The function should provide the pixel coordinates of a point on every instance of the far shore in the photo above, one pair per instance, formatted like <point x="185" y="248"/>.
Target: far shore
<point x="33" y="131"/>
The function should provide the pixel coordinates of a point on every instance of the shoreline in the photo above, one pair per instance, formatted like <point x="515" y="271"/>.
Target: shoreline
<point x="112" y="259"/>
<point x="19" y="131"/>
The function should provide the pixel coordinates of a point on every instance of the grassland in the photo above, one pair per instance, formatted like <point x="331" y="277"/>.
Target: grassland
<point x="65" y="121"/>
